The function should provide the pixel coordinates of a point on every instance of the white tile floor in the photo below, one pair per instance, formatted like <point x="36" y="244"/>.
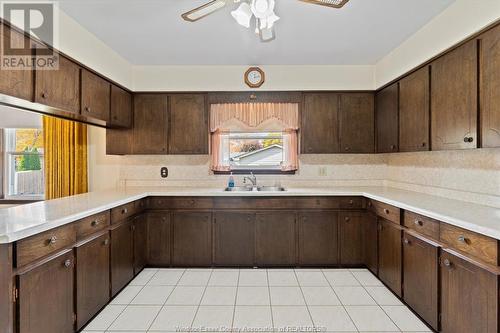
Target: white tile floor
<point x="255" y="300"/>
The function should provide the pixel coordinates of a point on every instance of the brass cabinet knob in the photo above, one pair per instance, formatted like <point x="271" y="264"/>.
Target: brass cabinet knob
<point x="447" y="263"/>
<point x="386" y="211"/>
<point x="406" y="241"/>
<point x="462" y="239"/>
<point x="424" y="144"/>
<point x="94" y="223"/>
<point x="351" y="202"/>
<point x="67" y="263"/>
<point x="87" y="108"/>
<point x="419" y="223"/>
<point x="393" y="147"/>
<point x="347" y="148"/>
<point x="106" y="242"/>
<point x="347" y="219"/>
<point x="468" y="139"/>
<point x="44" y="94"/>
<point x="124" y="211"/>
<point x="53" y="240"/>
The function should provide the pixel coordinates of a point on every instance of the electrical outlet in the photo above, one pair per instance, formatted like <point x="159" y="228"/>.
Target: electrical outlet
<point x="164" y="172"/>
<point x="322" y="171"/>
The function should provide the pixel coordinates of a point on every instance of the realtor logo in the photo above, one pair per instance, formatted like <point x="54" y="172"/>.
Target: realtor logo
<point x="38" y="19"/>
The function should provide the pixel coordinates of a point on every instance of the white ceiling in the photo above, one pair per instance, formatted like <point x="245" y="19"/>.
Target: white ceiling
<point x="151" y="32"/>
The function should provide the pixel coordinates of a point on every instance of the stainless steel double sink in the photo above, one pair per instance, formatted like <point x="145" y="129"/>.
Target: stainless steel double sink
<point x="255" y="189"/>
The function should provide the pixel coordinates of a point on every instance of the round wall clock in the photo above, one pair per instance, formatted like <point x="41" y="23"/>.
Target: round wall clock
<point x="254" y="77"/>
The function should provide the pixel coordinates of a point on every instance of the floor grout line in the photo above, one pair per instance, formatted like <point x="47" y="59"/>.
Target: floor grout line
<point x="270" y="301"/>
<point x="341" y="303"/>
<point x="305" y="301"/>
<point x="235" y="299"/>
<point x="201" y="299"/>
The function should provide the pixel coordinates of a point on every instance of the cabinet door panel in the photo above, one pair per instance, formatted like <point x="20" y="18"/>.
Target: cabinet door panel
<point x="414" y="113"/>
<point x="122" y="257"/>
<point x="234" y="237"/>
<point x="320" y="124"/>
<point x="490" y="88"/>
<point x="390" y="255"/>
<point x="150" y="124"/>
<point x="192" y="238"/>
<point x="96" y="93"/>
<point x="46" y="297"/>
<point x="17" y="83"/>
<point x="454" y="99"/>
<point x="357" y="123"/>
<point x="469" y="297"/>
<point x="140" y="243"/>
<point x="121" y="107"/>
<point x="92" y="278"/>
<point x="275" y="236"/>
<point x="420" y="262"/>
<point x="371" y="243"/>
<point x="59" y="88"/>
<point x="188" y="124"/>
<point x="351" y="238"/>
<point x="318" y="238"/>
<point x="387" y="119"/>
<point x="159" y="239"/>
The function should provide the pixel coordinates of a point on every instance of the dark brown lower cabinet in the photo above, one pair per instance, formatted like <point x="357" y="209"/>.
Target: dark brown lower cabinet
<point x="371" y="243"/>
<point x="318" y="238"/>
<point x="469" y="296"/>
<point x="92" y="278"/>
<point x="122" y="256"/>
<point x="390" y="255"/>
<point x="420" y="276"/>
<point x="45" y="303"/>
<point x="140" y="243"/>
<point x="351" y="227"/>
<point x="159" y="239"/>
<point x="192" y="238"/>
<point x="234" y="239"/>
<point x="275" y="239"/>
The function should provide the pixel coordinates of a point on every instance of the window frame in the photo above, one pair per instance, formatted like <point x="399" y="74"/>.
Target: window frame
<point x="6" y="156"/>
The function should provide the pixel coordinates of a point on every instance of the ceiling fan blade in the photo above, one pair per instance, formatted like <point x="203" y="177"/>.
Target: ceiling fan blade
<point x="328" y="3"/>
<point x="204" y="10"/>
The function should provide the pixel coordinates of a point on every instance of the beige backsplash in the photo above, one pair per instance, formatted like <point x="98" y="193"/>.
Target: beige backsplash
<point x="464" y="175"/>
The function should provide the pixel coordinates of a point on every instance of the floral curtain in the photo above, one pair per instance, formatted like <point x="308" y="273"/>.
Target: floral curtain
<point x="259" y="117"/>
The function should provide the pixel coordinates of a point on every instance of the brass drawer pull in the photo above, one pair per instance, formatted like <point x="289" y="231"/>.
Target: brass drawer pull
<point x="52" y="240"/>
<point x="106" y="242"/>
<point x="463" y="239"/>
<point x="386" y="211"/>
<point x="351" y="202"/>
<point x="407" y="241"/>
<point x="94" y="223"/>
<point x="419" y="223"/>
<point x="67" y="263"/>
<point x="124" y="211"/>
<point x="347" y="219"/>
<point x="447" y="263"/>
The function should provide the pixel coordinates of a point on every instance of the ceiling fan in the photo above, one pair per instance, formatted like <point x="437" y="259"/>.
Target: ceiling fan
<point x="261" y="10"/>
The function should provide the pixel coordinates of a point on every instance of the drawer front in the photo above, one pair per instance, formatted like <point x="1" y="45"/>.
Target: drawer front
<point x="479" y="246"/>
<point x="180" y="203"/>
<point x="352" y="202"/>
<point x="388" y="212"/>
<point x="422" y="224"/>
<point x="122" y="212"/>
<point x="92" y="224"/>
<point x="33" y="248"/>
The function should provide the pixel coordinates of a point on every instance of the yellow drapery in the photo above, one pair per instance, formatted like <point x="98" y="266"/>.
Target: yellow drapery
<point x="65" y="150"/>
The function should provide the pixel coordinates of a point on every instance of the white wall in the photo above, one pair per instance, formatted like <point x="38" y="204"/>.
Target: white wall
<point x="460" y="20"/>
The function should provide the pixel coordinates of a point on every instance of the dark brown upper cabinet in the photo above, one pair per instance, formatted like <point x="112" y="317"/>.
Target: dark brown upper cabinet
<point x="150" y="135"/>
<point x="59" y="88"/>
<point x="469" y="296"/>
<point x="45" y="303"/>
<point x="318" y="238"/>
<point x="96" y="93"/>
<point x="387" y="119"/>
<point x="454" y="100"/>
<point x="357" y="119"/>
<point x="234" y="239"/>
<point x="17" y="83"/>
<point x="121" y="107"/>
<point x="188" y="128"/>
<point x="414" y="131"/>
<point x="320" y="123"/>
<point x="490" y="88"/>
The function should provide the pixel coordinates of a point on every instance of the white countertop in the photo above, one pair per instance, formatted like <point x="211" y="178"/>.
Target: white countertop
<point x="30" y="219"/>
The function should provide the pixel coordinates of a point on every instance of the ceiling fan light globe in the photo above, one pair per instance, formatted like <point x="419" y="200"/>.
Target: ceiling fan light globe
<point x="243" y="14"/>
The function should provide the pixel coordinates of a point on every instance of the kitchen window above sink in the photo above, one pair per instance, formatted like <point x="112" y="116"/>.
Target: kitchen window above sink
<point x="254" y="137"/>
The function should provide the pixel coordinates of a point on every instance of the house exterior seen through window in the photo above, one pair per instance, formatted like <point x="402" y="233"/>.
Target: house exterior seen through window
<point x="254" y="151"/>
<point x="23" y="163"/>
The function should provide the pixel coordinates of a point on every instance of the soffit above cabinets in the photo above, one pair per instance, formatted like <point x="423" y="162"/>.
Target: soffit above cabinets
<point x="152" y="32"/>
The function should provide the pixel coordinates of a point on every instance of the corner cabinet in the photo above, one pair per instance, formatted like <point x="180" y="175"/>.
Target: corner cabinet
<point x="454" y="100"/>
<point x="387" y="119"/>
<point x="46" y="296"/>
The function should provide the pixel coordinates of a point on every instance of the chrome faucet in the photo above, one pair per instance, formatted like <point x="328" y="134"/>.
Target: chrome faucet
<point x="252" y="179"/>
